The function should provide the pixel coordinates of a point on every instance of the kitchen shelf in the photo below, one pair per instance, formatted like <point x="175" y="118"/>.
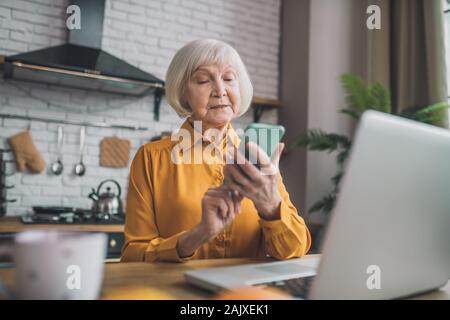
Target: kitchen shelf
<point x="261" y="104"/>
<point x="73" y="122"/>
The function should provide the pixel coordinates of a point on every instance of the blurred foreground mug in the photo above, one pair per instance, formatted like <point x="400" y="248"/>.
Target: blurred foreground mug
<point x="58" y="264"/>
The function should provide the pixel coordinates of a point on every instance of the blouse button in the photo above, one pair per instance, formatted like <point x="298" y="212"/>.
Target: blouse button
<point x="221" y="239"/>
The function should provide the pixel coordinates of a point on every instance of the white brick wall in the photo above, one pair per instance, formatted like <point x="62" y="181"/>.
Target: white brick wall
<point x="145" y="33"/>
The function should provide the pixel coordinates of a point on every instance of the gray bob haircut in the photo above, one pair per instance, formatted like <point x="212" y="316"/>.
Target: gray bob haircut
<point x="204" y="52"/>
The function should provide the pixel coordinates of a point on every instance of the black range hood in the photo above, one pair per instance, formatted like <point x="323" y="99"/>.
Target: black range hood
<point x="80" y="67"/>
<point x="81" y="63"/>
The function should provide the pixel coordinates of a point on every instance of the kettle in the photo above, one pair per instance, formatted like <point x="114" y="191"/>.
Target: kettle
<point x="107" y="203"/>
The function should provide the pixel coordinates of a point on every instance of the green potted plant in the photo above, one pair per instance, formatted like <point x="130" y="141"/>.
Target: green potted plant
<point x="360" y="96"/>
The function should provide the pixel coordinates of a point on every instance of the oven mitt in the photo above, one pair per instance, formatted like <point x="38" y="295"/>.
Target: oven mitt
<point x="26" y="153"/>
<point x="114" y="152"/>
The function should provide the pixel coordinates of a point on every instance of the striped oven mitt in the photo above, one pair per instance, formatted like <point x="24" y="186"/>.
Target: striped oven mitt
<point x="114" y="152"/>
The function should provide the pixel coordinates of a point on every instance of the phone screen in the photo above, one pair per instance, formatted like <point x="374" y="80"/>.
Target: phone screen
<point x="266" y="136"/>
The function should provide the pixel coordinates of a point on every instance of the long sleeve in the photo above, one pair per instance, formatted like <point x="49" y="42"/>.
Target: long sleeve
<point x="142" y="240"/>
<point x="287" y="237"/>
<point x="165" y="200"/>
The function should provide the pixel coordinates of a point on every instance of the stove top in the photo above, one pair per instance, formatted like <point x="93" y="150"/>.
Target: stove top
<point x="69" y="215"/>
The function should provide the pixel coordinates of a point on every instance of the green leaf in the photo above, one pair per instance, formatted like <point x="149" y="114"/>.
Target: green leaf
<point x="337" y="179"/>
<point x="317" y="140"/>
<point x="409" y="113"/>
<point x="344" y="141"/>
<point x="432" y="114"/>
<point x="357" y="93"/>
<point x="381" y="98"/>
<point x="361" y="96"/>
<point x="354" y="114"/>
<point x="329" y="202"/>
<point x="326" y="204"/>
<point x="316" y="207"/>
<point x="312" y="139"/>
<point x="342" y="156"/>
<point x="432" y="108"/>
<point x="435" y="114"/>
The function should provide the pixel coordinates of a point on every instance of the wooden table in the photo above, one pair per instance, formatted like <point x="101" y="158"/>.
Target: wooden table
<point x="168" y="278"/>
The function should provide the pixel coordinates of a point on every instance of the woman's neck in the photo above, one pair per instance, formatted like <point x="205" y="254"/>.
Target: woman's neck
<point x="205" y="127"/>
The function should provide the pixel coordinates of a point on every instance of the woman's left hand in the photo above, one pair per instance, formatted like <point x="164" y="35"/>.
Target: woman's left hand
<point x="259" y="185"/>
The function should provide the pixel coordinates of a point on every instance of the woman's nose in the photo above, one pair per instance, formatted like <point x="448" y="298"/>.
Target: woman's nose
<point x="219" y="89"/>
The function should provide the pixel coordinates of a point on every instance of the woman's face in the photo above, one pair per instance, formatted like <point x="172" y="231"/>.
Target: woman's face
<point x="213" y="95"/>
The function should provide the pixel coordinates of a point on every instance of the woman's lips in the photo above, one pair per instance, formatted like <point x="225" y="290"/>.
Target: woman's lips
<point x="219" y="106"/>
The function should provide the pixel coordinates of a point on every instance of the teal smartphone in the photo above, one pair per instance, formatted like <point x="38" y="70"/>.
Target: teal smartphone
<point x="266" y="136"/>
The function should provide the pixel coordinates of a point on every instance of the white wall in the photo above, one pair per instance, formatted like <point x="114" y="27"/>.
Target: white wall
<point x="145" y="33"/>
<point x="336" y="47"/>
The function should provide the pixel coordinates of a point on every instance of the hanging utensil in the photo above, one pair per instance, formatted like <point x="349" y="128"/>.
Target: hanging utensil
<point x="80" y="168"/>
<point x="57" y="166"/>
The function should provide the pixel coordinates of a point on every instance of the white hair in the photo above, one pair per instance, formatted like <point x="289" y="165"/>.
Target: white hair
<point x="204" y="52"/>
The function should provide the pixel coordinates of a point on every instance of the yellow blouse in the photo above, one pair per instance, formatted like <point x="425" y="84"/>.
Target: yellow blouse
<point x="164" y="201"/>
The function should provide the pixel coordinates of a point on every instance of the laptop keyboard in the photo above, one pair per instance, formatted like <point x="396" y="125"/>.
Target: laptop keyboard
<point x="298" y="288"/>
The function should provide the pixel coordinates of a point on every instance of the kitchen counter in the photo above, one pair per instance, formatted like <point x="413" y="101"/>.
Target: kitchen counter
<point x="9" y="226"/>
<point x="13" y="225"/>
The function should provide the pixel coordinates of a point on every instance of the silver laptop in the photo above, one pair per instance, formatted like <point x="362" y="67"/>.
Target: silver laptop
<point x="389" y="234"/>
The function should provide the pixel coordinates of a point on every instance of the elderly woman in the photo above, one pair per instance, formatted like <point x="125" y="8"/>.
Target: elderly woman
<point x="184" y="210"/>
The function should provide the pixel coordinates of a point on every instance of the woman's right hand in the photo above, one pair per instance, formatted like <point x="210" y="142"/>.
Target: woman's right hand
<point x="219" y="208"/>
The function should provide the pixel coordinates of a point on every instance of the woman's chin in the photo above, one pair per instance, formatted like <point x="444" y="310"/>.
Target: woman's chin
<point x="220" y="118"/>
